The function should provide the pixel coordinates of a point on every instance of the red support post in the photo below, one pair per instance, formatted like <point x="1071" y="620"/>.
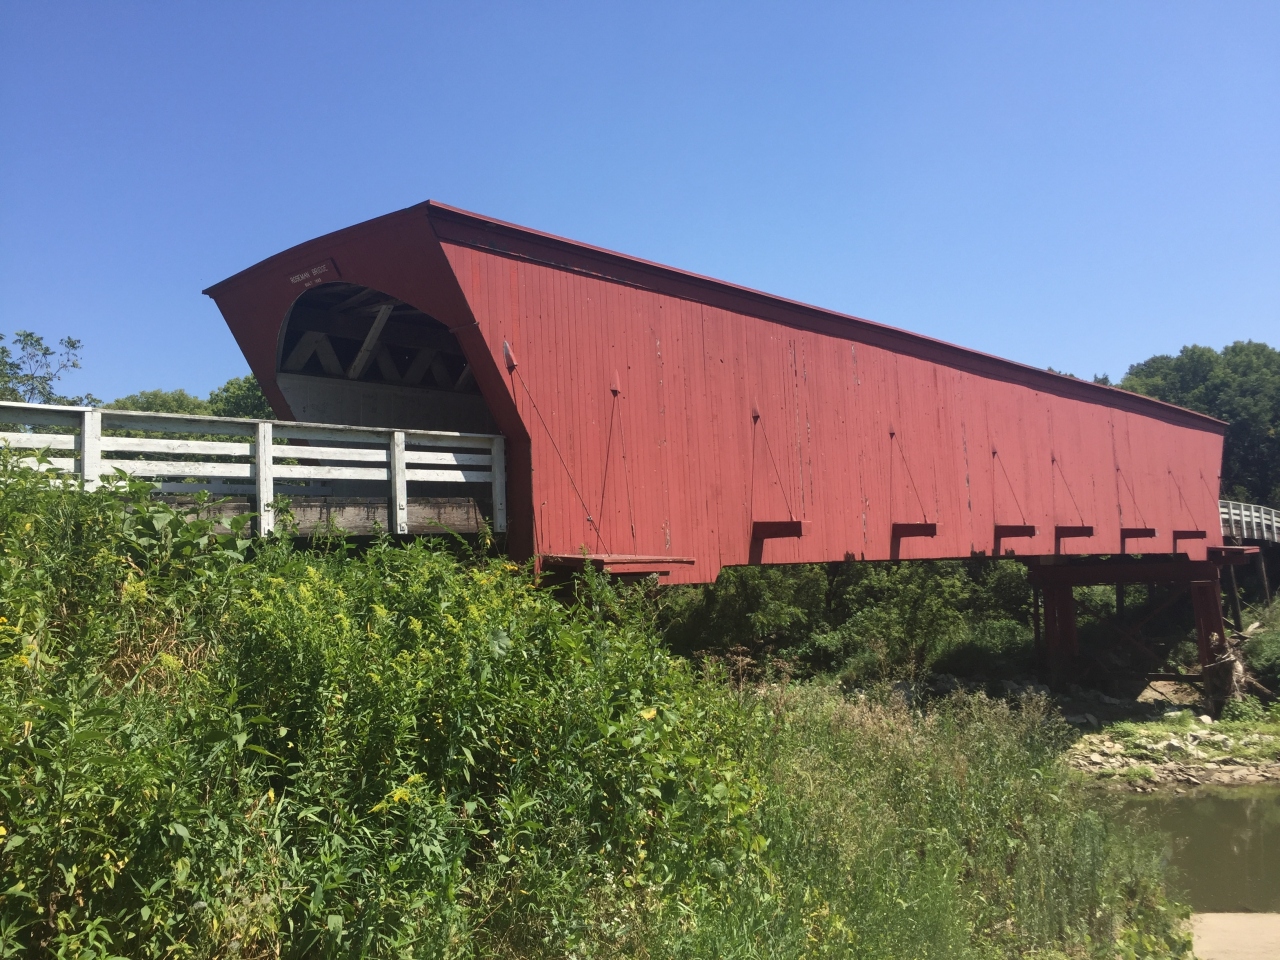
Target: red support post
<point x="1061" y="641"/>
<point x="1211" y="632"/>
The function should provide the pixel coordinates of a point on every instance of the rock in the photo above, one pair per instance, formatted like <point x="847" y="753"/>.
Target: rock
<point x="1077" y="719"/>
<point x="945" y="683"/>
<point x="1111" y="700"/>
<point x="1172" y="746"/>
<point x="1096" y="757"/>
<point x="1205" y="719"/>
<point x="1092" y="721"/>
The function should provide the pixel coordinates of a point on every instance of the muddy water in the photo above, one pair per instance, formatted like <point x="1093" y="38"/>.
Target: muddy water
<point x="1226" y="845"/>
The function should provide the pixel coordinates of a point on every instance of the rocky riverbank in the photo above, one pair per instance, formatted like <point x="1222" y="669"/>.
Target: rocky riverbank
<point x="1181" y="751"/>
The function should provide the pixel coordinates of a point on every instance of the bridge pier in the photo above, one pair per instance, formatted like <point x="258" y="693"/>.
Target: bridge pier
<point x="1056" y="578"/>
<point x="1062" y="642"/>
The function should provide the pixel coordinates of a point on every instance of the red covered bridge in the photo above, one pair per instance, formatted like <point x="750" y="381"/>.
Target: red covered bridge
<point x="660" y="421"/>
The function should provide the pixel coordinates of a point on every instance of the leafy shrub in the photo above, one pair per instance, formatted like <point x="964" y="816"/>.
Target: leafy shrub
<point x="213" y="747"/>
<point x="399" y="751"/>
<point x="867" y="621"/>
<point x="1247" y="709"/>
<point x="1262" y="652"/>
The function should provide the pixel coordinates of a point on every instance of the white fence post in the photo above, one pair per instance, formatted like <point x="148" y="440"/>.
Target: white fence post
<point x="263" y="479"/>
<point x="91" y="448"/>
<point x="399" y="485"/>
<point x="499" y="468"/>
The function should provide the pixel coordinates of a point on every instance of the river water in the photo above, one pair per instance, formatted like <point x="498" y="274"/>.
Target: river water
<point x="1226" y="845"/>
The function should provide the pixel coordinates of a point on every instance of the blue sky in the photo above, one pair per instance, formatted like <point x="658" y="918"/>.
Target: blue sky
<point x="1077" y="185"/>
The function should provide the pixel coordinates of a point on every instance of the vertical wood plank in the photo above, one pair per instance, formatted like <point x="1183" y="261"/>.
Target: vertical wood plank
<point x="499" y="469"/>
<point x="399" y="485"/>
<point x="91" y="448"/>
<point x="263" y="480"/>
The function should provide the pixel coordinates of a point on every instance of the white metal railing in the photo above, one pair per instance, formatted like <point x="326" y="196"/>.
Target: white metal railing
<point x="1248" y="521"/>
<point x="183" y="465"/>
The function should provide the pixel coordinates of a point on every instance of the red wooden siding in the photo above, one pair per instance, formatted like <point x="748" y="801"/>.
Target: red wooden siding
<point x="652" y="413"/>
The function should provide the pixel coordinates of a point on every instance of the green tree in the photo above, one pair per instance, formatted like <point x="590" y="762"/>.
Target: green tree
<point x="30" y="376"/>
<point x="162" y="401"/>
<point x="1240" y="385"/>
<point x="240" y="397"/>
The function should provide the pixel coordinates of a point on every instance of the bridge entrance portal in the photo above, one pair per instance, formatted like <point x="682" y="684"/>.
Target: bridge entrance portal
<point x="354" y="355"/>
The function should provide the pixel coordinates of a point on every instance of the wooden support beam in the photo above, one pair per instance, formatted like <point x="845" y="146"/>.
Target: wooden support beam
<point x="1062" y="644"/>
<point x="328" y="358"/>
<point x="91" y="448"/>
<point x="778" y="529"/>
<point x="1231" y="556"/>
<point x="498" y="467"/>
<point x="902" y="531"/>
<point x="317" y="343"/>
<point x="418" y="367"/>
<point x="1135" y="533"/>
<point x="302" y="351"/>
<point x="1187" y="535"/>
<point x="399" y="485"/>
<point x="1010" y="531"/>
<point x="1061" y="533"/>
<point x="464" y="379"/>
<point x="762" y="530"/>
<point x="1206" y="600"/>
<point x="370" y="342"/>
<point x="387" y="366"/>
<point x="1233" y="592"/>
<point x="346" y="304"/>
<point x="441" y="373"/>
<point x="1122" y="571"/>
<point x="263" y="479"/>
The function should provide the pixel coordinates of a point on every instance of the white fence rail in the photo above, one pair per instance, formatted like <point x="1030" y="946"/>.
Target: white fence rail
<point x="318" y="454"/>
<point x="1248" y="521"/>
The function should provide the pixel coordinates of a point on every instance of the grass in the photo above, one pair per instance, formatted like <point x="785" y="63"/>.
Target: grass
<point x="217" y="748"/>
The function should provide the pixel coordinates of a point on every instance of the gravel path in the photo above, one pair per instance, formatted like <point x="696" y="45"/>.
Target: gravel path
<point x="1237" y="936"/>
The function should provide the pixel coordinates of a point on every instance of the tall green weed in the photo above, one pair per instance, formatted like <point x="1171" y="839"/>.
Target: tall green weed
<point x="213" y="747"/>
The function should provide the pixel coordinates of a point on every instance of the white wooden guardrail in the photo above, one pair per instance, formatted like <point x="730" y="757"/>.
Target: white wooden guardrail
<point x="1248" y="521"/>
<point x="323" y="453"/>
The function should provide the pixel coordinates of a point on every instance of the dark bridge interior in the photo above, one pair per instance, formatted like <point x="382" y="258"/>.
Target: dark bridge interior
<point x="351" y="354"/>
